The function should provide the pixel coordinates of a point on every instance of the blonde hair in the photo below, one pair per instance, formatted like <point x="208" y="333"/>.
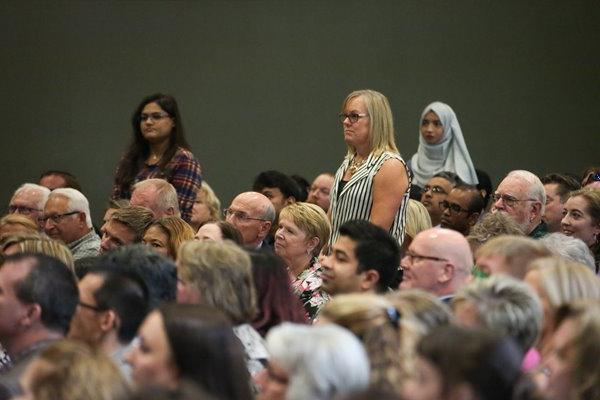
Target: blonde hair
<point x="23" y="223"/>
<point x="177" y="230"/>
<point x="135" y="218"/>
<point x="381" y="122"/>
<point x="425" y="309"/>
<point x="212" y="201"/>
<point x="417" y="218"/>
<point x="69" y="370"/>
<point x="222" y="274"/>
<point x="518" y="252"/>
<point x="383" y="330"/>
<point x="310" y="219"/>
<point x="43" y="245"/>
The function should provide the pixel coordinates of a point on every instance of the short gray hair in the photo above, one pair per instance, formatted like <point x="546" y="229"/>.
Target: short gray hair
<point x="268" y="213"/>
<point x="536" y="187"/>
<point x="76" y="202"/>
<point x="166" y="193"/>
<point x="322" y="361"/>
<point x="569" y="247"/>
<point x="43" y="191"/>
<point x="507" y="306"/>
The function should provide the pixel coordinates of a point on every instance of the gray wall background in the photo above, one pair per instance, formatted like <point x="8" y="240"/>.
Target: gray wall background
<point x="260" y="83"/>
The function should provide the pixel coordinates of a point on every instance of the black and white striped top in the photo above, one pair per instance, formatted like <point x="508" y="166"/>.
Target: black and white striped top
<point x="355" y="200"/>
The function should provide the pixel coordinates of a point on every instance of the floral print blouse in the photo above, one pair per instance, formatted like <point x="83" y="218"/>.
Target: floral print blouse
<point x="307" y="286"/>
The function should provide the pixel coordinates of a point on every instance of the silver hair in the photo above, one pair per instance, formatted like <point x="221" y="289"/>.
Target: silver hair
<point x="166" y="195"/>
<point x="507" y="306"/>
<point x="569" y="247"/>
<point x="43" y="191"/>
<point x="268" y="213"/>
<point x="76" y="202"/>
<point x="536" y="187"/>
<point x="321" y="361"/>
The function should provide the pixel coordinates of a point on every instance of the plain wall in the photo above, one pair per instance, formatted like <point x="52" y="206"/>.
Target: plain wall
<point x="260" y="83"/>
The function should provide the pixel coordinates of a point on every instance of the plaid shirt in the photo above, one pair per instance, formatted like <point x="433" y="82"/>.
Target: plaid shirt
<point x="183" y="172"/>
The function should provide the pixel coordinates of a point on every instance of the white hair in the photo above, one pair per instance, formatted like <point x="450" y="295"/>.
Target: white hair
<point x="166" y="195"/>
<point x="321" y="361"/>
<point x="43" y="192"/>
<point x="535" y="186"/>
<point x="76" y="202"/>
<point x="569" y="247"/>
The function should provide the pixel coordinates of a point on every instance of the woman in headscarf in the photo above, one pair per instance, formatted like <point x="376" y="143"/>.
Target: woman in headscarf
<point x="441" y="147"/>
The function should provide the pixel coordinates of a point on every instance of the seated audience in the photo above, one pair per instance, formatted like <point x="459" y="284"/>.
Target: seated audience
<point x="521" y="195"/>
<point x="157" y="195"/>
<point x="276" y="302"/>
<point x="303" y="231"/>
<point x="41" y="245"/>
<point x="280" y="189"/>
<point x="438" y="261"/>
<point x="509" y="255"/>
<point x="582" y="219"/>
<point x="110" y="310"/>
<point x="29" y="200"/>
<point x="68" y="370"/>
<point x="166" y="234"/>
<point x="220" y="275"/>
<point x="313" y="362"/>
<point x="490" y="226"/>
<point x="365" y="258"/>
<point x="207" y="207"/>
<point x="320" y="189"/>
<point x="190" y="342"/>
<point x="54" y="179"/>
<point x="67" y="218"/>
<point x="303" y="186"/>
<point x="569" y="247"/>
<point x="15" y="224"/>
<point x="113" y="205"/>
<point x="252" y="214"/>
<point x="558" y="281"/>
<point x="505" y="306"/>
<point x="435" y="192"/>
<point x="461" y="209"/>
<point x="219" y="231"/>
<point x="39" y="296"/>
<point x="557" y="187"/>
<point x="126" y="226"/>
<point x="570" y="370"/>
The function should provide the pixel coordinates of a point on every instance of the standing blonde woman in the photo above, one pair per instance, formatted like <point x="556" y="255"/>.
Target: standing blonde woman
<point x="373" y="182"/>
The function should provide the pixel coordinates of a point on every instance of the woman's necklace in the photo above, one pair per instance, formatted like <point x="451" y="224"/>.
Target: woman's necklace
<point x="355" y="165"/>
<point x="153" y="158"/>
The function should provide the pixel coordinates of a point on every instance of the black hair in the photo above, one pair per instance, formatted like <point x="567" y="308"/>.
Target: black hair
<point x="566" y="184"/>
<point x="303" y="185"/>
<point x="276" y="179"/>
<point x="70" y="179"/>
<point x="51" y="285"/>
<point x="451" y="177"/>
<point x="485" y="184"/>
<point x="157" y="271"/>
<point x="375" y="249"/>
<point x="476" y="203"/>
<point x="139" y="149"/>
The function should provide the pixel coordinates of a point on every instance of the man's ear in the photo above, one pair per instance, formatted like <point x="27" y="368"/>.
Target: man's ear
<point x="446" y="273"/>
<point x="33" y="314"/>
<point x="473" y="218"/>
<point x="536" y="209"/>
<point x="369" y="280"/>
<point x="266" y="226"/>
<point x="290" y="200"/>
<point x="170" y="211"/>
<point x="108" y="320"/>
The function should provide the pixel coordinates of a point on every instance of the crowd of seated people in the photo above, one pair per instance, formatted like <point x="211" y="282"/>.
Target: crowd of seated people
<point x="384" y="279"/>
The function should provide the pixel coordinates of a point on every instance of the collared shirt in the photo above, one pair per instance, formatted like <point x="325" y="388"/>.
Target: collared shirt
<point x="540" y="231"/>
<point x="86" y="246"/>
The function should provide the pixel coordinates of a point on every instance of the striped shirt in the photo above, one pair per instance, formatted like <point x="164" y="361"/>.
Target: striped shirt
<point x="355" y="200"/>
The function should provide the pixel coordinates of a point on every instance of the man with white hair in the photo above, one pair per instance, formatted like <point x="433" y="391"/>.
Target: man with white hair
<point x="67" y="218"/>
<point x="157" y="195"/>
<point x="521" y="195"/>
<point x="438" y="261"/>
<point x="29" y="200"/>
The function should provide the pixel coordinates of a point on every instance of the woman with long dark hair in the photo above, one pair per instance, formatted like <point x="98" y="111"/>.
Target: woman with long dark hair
<point x="159" y="150"/>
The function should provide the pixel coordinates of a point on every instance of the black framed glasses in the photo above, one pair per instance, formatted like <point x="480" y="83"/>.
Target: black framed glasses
<point x="155" y="116"/>
<point x="352" y="117"/>
<point x="455" y="208"/>
<point x="412" y="257"/>
<point x="90" y="307"/>
<point x="56" y="218"/>
<point x="239" y="215"/>
<point x="508" y="200"/>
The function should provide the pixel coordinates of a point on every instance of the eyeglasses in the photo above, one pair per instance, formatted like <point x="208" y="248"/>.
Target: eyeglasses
<point x="412" y="257"/>
<point x="156" y="116"/>
<point x="353" y="117"/>
<point x="21" y="210"/>
<point x="592" y="178"/>
<point x="508" y="200"/>
<point x="240" y="215"/>
<point x="455" y="208"/>
<point x="90" y="307"/>
<point x="56" y="218"/>
<point x="434" y="189"/>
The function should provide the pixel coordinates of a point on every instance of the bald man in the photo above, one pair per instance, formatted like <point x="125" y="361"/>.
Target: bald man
<point x="252" y="214"/>
<point x="437" y="261"/>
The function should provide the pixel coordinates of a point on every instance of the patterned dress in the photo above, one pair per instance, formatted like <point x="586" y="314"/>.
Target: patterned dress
<point x="307" y="286"/>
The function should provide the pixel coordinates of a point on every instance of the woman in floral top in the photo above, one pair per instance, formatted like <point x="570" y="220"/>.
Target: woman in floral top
<point x="303" y="230"/>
